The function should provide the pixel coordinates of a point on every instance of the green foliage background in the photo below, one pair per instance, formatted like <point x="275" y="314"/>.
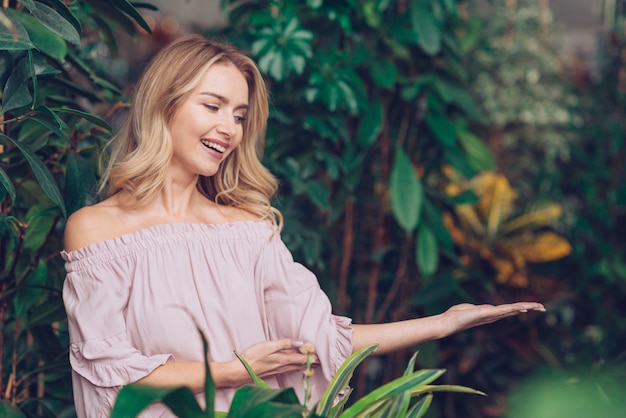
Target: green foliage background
<point x="370" y="100"/>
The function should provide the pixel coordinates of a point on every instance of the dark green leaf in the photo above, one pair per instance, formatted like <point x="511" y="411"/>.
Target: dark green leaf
<point x="16" y="93"/>
<point x="37" y="231"/>
<point x="479" y="155"/>
<point x="5" y="180"/>
<point x="429" y="35"/>
<point x="30" y="293"/>
<point x="75" y="193"/>
<point x="407" y="193"/>
<point x="318" y="193"/>
<point x="9" y="411"/>
<point x="314" y="4"/>
<point x="459" y="97"/>
<point x="51" y="19"/>
<point x="134" y="398"/>
<point x="250" y="400"/>
<point x="432" y="217"/>
<point x="143" y="5"/>
<point x="63" y="10"/>
<point x="41" y="67"/>
<point x="209" y="386"/>
<point x="427" y="251"/>
<point x="47" y="118"/>
<point x="127" y="7"/>
<point x="7" y="62"/>
<point x="13" y="36"/>
<point x="43" y="38"/>
<point x="441" y="127"/>
<point x="371" y="124"/>
<point x="384" y="73"/>
<point x="50" y="312"/>
<point x="44" y="178"/>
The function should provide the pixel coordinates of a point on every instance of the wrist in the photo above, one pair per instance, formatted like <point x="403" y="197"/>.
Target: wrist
<point x="229" y="374"/>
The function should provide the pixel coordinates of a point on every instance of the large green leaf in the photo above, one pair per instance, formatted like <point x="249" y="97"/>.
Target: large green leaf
<point x="429" y="35"/>
<point x="411" y="383"/>
<point x="479" y="155"/>
<point x="51" y="19"/>
<point x="66" y="12"/>
<point x="442" y="128"/>
<point x="38" y="227"/>
<point x="427" y="250"/>
<point x="43" y="176"/>
<point x="342" y="378"/>
<point x="250" y="401"/>
<point x="133" y="399"/>
<point x="16" y="93"/>
<point x="42" y="37"/>
<point x="13" y="36"/>
<point x="407" y="192"/>
<point x="384" y="73"/>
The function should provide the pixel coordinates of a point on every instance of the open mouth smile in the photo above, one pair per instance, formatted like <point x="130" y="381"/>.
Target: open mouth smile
<point x="214" y="146"/>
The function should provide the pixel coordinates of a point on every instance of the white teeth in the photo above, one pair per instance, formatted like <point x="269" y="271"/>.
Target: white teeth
<point x="213" y="145"/>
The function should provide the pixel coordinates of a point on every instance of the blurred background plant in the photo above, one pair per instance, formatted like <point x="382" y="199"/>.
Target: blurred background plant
<point x="386" y="118"/>
<point x="55" y="99"/>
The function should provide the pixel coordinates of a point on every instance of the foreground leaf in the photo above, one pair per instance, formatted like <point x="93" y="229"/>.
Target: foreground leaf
<point x="342" y="378"/>
<point x="133" y="399"/>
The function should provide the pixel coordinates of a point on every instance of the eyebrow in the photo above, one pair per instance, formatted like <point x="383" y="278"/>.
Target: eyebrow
<point x="223" y="99"/>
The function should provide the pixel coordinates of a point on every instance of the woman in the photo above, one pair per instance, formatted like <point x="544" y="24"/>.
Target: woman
<point x="186" y="239"/>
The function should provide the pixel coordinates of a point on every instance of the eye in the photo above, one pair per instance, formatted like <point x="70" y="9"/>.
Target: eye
<point x="211" y="107"/>
<point x="241" y="118"/>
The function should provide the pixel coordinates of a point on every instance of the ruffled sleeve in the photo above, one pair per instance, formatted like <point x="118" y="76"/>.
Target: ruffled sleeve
<point x="103" y="358"/>
<point x="296" y="307"/>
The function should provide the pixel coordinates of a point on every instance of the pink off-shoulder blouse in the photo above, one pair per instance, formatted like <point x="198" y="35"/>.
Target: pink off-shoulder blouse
<point x="136" y="302"/>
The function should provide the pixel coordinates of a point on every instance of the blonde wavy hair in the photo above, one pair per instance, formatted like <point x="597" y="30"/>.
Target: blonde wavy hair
<point x="142" y="149"/>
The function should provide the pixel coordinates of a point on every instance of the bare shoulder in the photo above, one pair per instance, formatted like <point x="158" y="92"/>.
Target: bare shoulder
<point x="234" y="214"/>
<point x="91" y="224"/>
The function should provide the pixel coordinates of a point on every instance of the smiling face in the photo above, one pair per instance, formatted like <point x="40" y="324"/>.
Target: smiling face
<point x="208" y="124"/>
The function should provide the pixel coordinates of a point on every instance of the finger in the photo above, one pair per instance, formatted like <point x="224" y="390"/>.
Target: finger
<point x="287" y="344"/>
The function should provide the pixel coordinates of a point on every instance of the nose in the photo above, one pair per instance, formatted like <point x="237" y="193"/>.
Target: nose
<point x="227" y="125"/>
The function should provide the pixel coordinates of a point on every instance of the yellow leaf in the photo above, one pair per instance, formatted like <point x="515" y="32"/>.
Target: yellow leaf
<point x="536" y="217"/>
<point x="469" y="219"/>
<point x="546" y="246"/>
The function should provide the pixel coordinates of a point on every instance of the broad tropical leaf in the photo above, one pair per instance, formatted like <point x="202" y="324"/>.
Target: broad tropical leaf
<point x="407" y="193"/>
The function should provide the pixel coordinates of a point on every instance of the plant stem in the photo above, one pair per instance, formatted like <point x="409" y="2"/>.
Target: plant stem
<point x="348" y="238"/>
<point x="398" y="279"/>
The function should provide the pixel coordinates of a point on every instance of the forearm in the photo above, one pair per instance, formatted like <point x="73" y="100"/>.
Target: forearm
<point x="398" y="335"/>
<point x="192" y="375"/>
